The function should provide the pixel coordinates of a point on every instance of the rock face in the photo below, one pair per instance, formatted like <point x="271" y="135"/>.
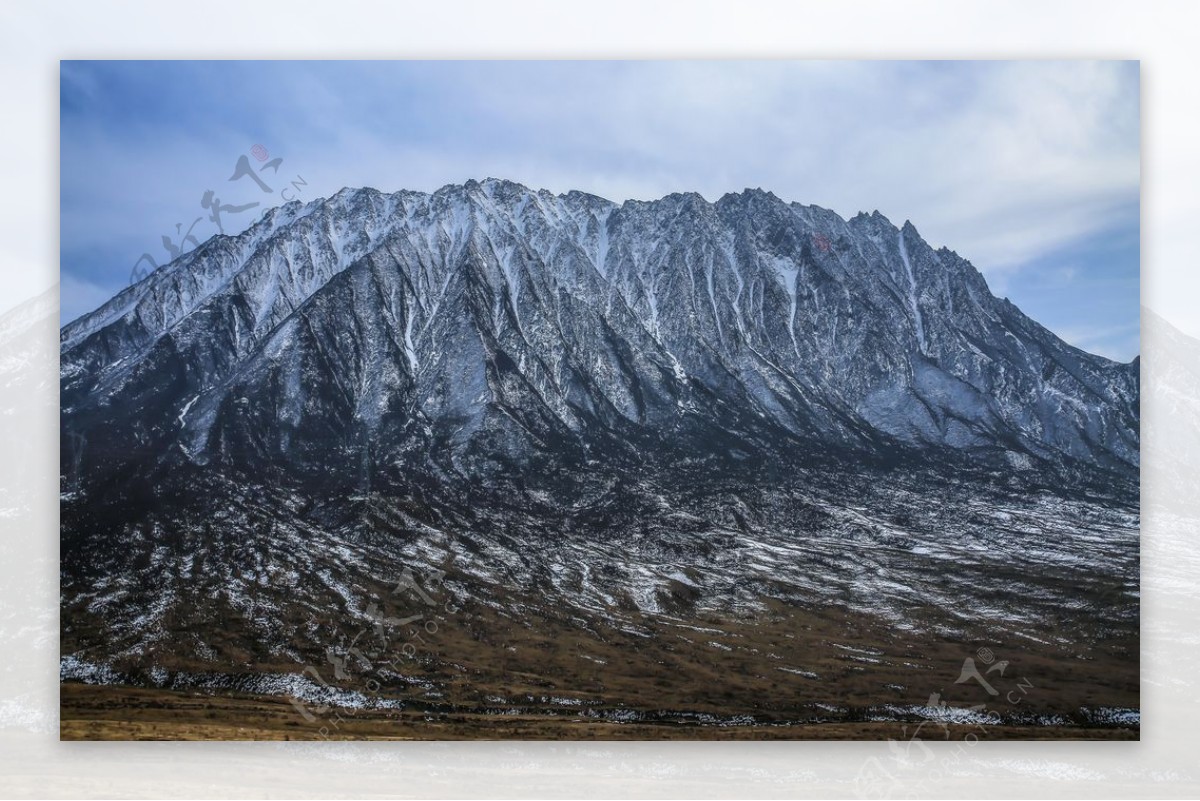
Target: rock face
<point x="600" y="410"/>
<point x="484" y="326"/>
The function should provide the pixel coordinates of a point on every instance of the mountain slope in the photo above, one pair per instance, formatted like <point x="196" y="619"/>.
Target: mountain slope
<point x="491" y="318"/>
<point x="619" y="423"/>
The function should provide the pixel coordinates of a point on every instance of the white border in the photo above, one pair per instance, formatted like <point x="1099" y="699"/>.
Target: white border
<point x="1161" y="34"/>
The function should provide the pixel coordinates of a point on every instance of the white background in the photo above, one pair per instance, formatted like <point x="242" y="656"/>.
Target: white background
<point x="1163" y="35"/>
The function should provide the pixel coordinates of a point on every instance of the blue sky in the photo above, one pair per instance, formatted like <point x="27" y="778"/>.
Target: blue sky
<point x="1028" y="169"/>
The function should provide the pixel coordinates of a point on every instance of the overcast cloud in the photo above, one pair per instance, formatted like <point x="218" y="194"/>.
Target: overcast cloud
<point x="1028" y="169"/>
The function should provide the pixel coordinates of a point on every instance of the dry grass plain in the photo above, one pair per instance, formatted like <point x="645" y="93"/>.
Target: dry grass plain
<point x="797" y="673"/>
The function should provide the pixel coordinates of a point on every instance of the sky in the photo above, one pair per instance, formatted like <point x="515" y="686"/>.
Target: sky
<point x="1028" y="169"/>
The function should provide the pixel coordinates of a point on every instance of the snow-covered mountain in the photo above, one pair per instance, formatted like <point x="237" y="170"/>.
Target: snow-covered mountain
<point x="606" y="412"/>
<point x="491" y="322"/>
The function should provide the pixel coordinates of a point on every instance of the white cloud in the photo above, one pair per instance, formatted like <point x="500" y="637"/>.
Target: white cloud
<point x="1000" y="161"/>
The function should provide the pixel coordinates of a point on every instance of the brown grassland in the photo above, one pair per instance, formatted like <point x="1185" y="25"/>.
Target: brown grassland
<point x="800" y="673"/>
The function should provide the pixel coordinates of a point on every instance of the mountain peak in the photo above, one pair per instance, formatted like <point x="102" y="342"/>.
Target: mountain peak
<point x="487" y="305"/>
